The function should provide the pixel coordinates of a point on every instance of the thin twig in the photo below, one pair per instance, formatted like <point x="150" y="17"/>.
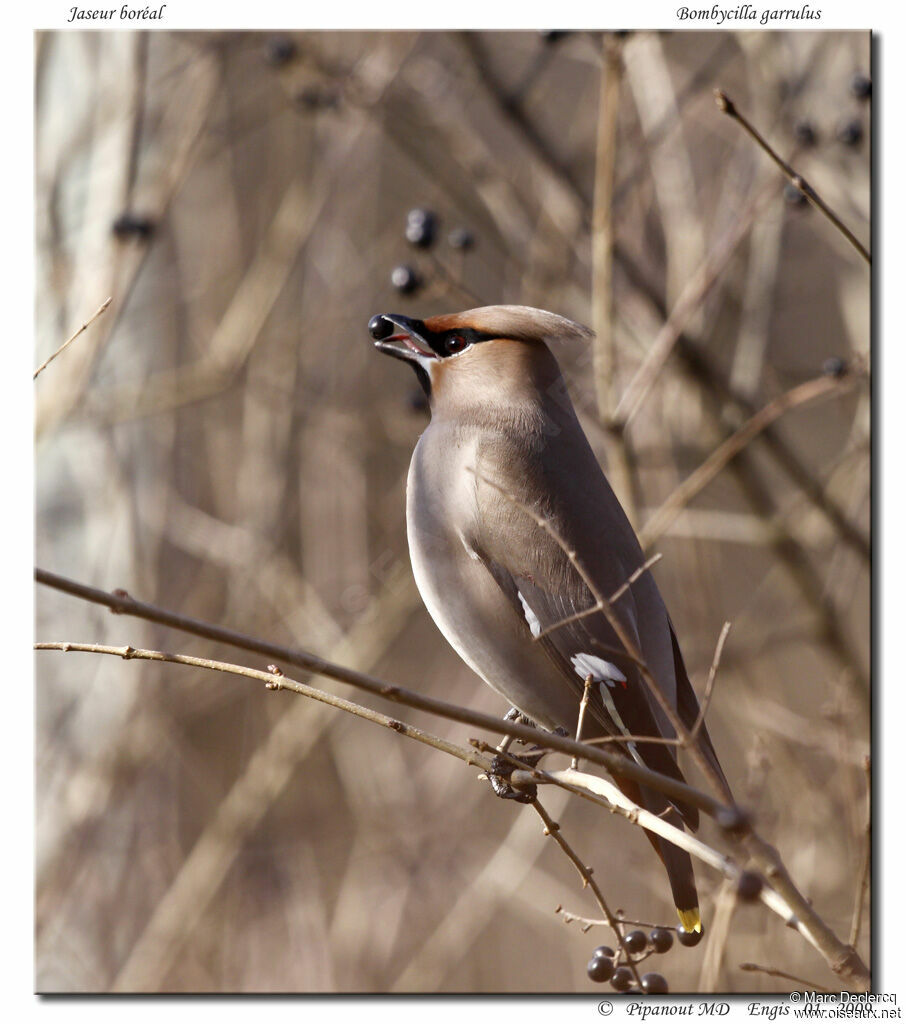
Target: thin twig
<point x="552" y="829"/>
<point x="583" y="707"/>
<point x="274" y="679"/>
<point x="774" y="973"/>
<point x="568" y="916"/>
<point x="590" y="787"/>
<point x="604" y="793"/>
<point x="604" y="348"/>
<point x="715" y="388"/>
<point x="709" y="686"/>
<point x="73" y="337"/>
<point x="862" y="884"/>
<point x="121" y="603"/>
<point x="698" y="479"/>
<point x="725" y="104"/>
<point x="597" y="606"/>
<point x="689" y="300"/>
<point x="718" y="934"/>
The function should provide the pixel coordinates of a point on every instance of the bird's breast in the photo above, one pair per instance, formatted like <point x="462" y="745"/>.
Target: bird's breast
<point x="459" y="592"/>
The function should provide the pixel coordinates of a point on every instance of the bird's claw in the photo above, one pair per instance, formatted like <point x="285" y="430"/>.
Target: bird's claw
<point x="499" y="775"/>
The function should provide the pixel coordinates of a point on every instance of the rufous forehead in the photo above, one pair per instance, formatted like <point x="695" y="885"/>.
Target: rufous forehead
<point x="451" y="322"/>
<point x="489" y="327"/>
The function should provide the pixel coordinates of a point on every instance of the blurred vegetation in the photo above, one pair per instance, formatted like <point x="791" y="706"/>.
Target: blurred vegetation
<point x="225" y="442"/>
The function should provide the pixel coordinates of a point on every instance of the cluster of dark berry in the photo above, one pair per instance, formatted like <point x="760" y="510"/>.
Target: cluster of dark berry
<point x="636" y="946"/>
<point x="850" y="131"/>
<point x="421" y="232"/>
<point x="133" y="225"/>
<point x="279" y="51"/>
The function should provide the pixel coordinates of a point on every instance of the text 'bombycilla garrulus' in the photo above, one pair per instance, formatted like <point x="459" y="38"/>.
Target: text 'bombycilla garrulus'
<point x="495" y="582"/>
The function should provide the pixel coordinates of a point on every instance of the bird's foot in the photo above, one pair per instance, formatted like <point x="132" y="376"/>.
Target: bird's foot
<point x="502" y="768"/>
<point x="501" y="771"/>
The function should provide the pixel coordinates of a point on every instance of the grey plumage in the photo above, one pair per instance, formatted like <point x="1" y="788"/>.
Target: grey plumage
<point x="503" y="435"/>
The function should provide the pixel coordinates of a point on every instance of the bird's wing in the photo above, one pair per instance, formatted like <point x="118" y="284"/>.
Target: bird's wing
<point x="548" y="596"/>
<point x="688" y="709"/>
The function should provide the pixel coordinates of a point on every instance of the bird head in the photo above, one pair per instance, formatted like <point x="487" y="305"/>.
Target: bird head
<point x="491" y="346"/>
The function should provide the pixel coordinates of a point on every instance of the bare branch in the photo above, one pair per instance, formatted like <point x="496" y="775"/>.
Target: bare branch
<point x="843" y="960"/>
<point x="552" y="829"/>
<point x="725" y="104"/>
<point x="604" y="348"/>
<point x="597" y="606"/>
<point x="698" y="479"/>
<point x="774" y="973"/>
<point x="274" y="679"/>
<point x="121" y="603"/>
<point x="690" y="299"/>
<point x="606" y="794"/>
<point x="583" y="707"/>
<point x="709" y="686"/>
<point x="718" y="934"/>
<point x="73" y="337"/>
<point x="865" y="865"/>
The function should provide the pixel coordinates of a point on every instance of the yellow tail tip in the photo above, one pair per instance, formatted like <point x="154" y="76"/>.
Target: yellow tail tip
<point x="691" y="920"/>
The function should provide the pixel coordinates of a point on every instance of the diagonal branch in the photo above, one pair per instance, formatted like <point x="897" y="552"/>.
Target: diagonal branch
<point x="597" y="606"/>
<point x="75" y="335"/>
<point x="698" y="479"/>
<point x="725" y="104"/>
<point x="590" y="787"/>
<point x="712" y="676"/>
<point x="121" y="603"/>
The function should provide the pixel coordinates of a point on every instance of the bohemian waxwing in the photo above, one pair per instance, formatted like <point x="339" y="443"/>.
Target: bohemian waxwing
<point x="504" y="434"/>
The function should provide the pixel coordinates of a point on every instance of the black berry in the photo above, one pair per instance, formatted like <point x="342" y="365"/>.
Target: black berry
<point x="635" y="941"/>
<point x="661" y="940"/>
<point x="733" y="820"/>
<point x="654" y="984"/>
<point x="689" y="938"/>
<point x="622" y="979"/>
<point x="804" y="133"/>
<point x="131" y="225"/>
<point x="404" y="279"/>
<point x="461" y="238"/>
<point x="604" y="951"/>
<point x="600" y="968"/>
<point x="850" y="132"/>
<point x="793" y="195"/>
<point x="834" y="367"/>
<point x="313" y="98"/>
<point x="749" y="886"/>
<point x="379" y="327"/>
<point x="421" y="235"/>
<point x="860" y="86"/>
<point x="420" y="227"/>
<point x="279" y="51"/>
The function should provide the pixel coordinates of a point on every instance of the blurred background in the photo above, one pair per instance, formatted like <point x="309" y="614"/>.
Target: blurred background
<point x="225" y="442"/>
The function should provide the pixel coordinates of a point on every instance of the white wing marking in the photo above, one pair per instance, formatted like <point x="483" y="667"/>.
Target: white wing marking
<point x="531" y="618"/>
<point x="600" y="670"/>
<point x="470" y="551"/>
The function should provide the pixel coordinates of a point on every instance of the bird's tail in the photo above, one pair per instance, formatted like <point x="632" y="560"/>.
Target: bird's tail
<point x="677" y="863"/>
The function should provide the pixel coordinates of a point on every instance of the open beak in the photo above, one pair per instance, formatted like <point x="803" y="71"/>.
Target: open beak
<point x="400" y="337"/>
